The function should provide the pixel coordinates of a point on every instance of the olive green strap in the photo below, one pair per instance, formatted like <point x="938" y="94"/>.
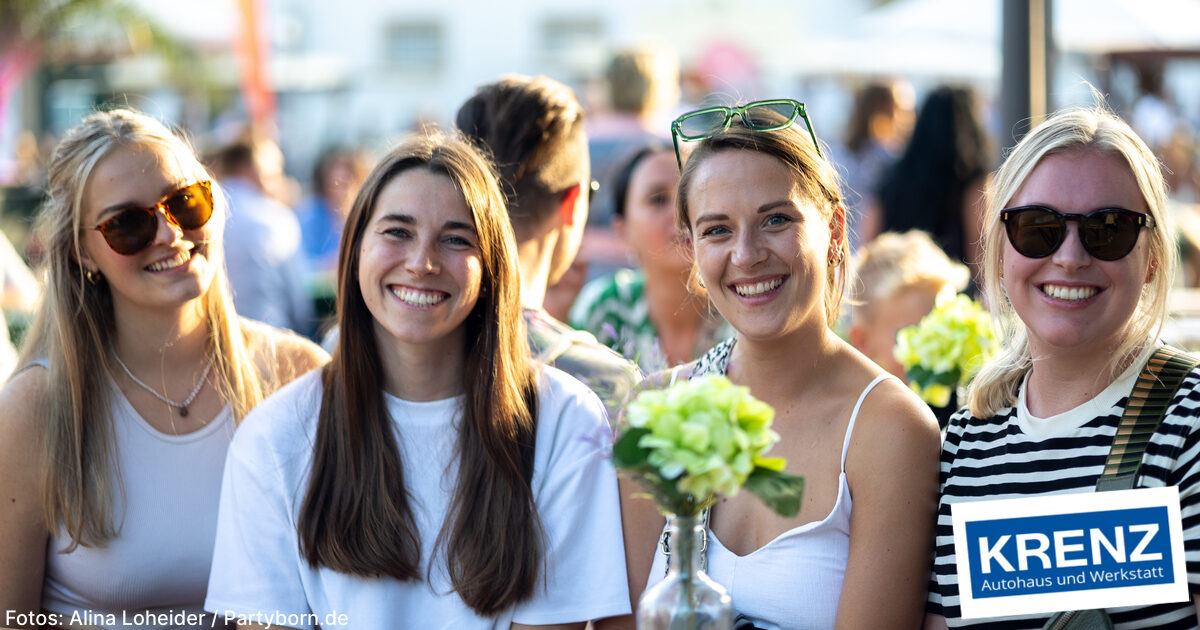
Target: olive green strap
<point x="1152" y="393"/>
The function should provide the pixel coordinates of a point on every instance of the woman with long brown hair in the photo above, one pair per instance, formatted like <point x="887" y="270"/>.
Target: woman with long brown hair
<point x="137" y="369"/>
<point x="431" y="473"/>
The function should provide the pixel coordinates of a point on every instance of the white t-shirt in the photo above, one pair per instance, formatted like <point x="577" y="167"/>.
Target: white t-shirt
<point x="258" y="571"/>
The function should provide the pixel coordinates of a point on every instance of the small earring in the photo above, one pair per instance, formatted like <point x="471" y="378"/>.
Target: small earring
<point x="835" y="260"/>
<point x="700" y="281"/>
<point x="93" y="277"/>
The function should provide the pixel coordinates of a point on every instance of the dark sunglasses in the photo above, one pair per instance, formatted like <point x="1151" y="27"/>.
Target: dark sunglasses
<point x="1106" y="234"/>
<point x="133" y="229"/>
<point x="771" y="115"/>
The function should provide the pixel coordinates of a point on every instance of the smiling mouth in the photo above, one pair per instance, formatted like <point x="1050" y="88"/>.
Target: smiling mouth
<point x="171" y="263"/>
<point x="420" y="298"/>
<point x="757" y="288"/>
<point x="1069" y="294"/>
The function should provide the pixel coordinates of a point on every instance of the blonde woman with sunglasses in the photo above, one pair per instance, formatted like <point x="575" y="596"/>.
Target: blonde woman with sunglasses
<point x="1077" y="264"/>
<point x="135" y="373"/>
<point x="766" y="223"/>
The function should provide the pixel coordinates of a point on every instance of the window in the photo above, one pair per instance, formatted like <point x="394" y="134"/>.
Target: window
<point x="572" y="43"/>
<point x="415" y="47"/>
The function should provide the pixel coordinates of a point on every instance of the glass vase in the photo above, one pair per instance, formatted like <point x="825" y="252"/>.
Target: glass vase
<point x="686" y="599"/>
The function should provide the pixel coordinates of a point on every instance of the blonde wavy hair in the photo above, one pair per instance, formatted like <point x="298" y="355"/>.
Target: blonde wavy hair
<point x="1077" y="129"/>
<point x="894" y="261"/>
<point x="73" y="327"/>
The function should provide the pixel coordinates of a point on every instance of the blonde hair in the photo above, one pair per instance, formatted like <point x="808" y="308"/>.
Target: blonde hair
<point x="73" y="327"/>
<point x="1071" y="130"/>
<point x="642" y="80"/>
<point x="896" y="261"/>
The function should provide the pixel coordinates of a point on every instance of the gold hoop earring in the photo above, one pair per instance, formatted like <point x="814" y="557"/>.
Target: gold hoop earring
<point x="93" y="277"/>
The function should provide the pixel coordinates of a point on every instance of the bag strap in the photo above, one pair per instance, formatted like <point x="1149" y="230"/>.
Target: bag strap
<point x="1147" y="405"/>
<point x="1144" y="411"/>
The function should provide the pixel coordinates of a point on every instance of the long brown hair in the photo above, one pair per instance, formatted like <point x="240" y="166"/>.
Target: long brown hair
<point x="74" y="326"/>
<point x="356" y="517"/>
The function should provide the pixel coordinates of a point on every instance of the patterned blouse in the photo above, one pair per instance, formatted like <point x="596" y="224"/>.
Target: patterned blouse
<point x="615" y="310"/>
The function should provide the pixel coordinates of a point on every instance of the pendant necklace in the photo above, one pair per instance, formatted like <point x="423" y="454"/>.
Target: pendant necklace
<point x="181" y="406"/>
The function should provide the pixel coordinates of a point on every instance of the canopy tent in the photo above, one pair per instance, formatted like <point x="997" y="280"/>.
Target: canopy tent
<point x="956" y="39"/>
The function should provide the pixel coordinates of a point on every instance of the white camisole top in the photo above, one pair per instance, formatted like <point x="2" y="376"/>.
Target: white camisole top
<point x="795" y="580"/>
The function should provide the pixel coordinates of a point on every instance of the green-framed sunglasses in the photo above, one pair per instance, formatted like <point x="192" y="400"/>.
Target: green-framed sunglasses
<point x="771" y="115"/>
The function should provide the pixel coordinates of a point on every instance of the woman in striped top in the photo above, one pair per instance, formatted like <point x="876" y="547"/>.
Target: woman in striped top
<point x="1078" y="323"/>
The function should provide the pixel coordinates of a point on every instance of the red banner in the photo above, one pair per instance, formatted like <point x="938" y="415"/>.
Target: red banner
<point x="252" y="51"/>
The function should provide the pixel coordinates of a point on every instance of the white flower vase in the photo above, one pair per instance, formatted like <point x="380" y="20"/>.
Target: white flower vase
<point x="687" y="599"/>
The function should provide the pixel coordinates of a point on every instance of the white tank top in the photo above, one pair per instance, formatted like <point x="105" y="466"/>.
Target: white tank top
<point x="166" y="525"/>
<point x="795" y="580"/>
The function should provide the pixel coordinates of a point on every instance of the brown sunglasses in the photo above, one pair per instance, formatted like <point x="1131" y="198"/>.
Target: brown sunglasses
<point x="133" y="229"/>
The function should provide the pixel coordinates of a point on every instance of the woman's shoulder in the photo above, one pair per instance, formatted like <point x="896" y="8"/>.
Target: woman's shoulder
<point x="567" y="409"/>
<point x="22" y="404"/>
<point x="281" y="351"/>
<point x="558" y="389"/>
<point x="286" y="416"/>
<point x="889" y="415"/>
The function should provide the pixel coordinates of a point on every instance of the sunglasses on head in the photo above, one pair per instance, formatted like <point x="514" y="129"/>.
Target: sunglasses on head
<point x="1106" y="234"/>
<point x="133" y="228"/>
<point x="771" y="115"/>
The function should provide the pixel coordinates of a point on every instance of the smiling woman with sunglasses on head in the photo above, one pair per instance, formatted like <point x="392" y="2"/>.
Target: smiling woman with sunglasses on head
<point x="766" y="223"/>
<point x="136" y="371"/>
<point x="1077" y="265"/>
<point x="432" y="476"/>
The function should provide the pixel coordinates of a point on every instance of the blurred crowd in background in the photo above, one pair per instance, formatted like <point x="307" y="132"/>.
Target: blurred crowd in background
<point x="914" y="145"/>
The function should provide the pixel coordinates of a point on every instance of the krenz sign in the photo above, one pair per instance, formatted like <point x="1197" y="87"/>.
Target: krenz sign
<point x="1067" y="552"/>
<point x="1041" y="554"/>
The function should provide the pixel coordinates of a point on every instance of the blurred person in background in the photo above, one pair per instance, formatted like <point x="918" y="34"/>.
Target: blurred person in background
<point x="336" y="176"/>
<point x="1154" y="116"/>
<point x="879" y="125"/>
<point x="898" y="278"/>
<point x="262" y="245"/>
<point x="650" y="314"/>
<point x="133" y="377"/>
<point x="937" y="185"/>
<point x="643" y="89"/>
<point x="19" y="293"/>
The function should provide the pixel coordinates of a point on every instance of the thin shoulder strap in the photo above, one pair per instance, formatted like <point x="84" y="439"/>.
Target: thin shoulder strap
<point x="1144" y="411"/>
<point x="675" y="374"/>
<point x="854" y="415"/>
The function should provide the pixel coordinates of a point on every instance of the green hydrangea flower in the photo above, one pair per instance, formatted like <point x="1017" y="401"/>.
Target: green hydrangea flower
<point x="700" y="438"/>
<point x="946" y="348"/>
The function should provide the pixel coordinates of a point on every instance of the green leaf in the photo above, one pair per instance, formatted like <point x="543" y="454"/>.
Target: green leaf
<point x="779" y="490"/>
<point x="626" y="452"/>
